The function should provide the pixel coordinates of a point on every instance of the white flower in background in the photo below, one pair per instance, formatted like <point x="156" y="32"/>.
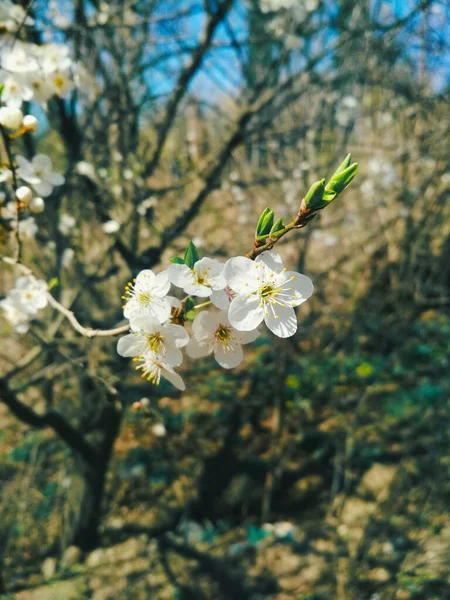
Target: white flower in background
<point x="15" y="91"/>
<point x="39" y="174"/>
<point x="54" y="57"/>
<point x="153" y="368"/>
<point x="6" y="175"/>
<point x="147" y="295"/>
<point x="111" y="226"/>
<point x="18" y="60"/>
<point x="12" y="16"/>
<point x="146" y="204"/>
<point x="29" y="294"/>
<point x="213" y="332"/>
<point x="382" y="171"/>
<point x="62" y="82"/>
<point x="206" y="276"/>
<point x="15" y="317"/>
<point x="85" y="168"/>
<point x="67" y="258"/>
<point x="148" y="335"/>
<point x="66" y="223"/>
<point x="30" y="123"/>
<point x="266" y="291"/>
<point x="28" y="228"/>
<point x="159" y="430"/>
<point x="347" y="110"/>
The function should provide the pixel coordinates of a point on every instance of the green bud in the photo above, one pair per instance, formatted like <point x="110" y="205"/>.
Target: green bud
<point x="264" y="224"/>
<point x="314" y="198"/>
<point x="191" y="256"/>
<point x="176" y="260"/>
<point x="54" y="282"/>
<point x="341" y="180"/>
<point x="277" y="229"/>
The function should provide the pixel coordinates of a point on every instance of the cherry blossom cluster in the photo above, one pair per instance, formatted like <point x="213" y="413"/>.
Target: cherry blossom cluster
<point x="32" y="72"/>
<point x="24" y="301"/>
<point x="239" y="295"/>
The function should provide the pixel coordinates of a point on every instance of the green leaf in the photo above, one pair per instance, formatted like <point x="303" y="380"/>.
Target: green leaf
<point x="177" y="260"/>
<point x="346" y="163"/>
<point x="191" y="256"/>
<point x="314" y="197"/>
<point x="265" y="223"/>
<point x="277" y="229"/>
<point x="341" y="180"/>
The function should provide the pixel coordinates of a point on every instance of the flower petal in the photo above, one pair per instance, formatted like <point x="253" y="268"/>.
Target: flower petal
<point x="175" y="335"/>
<point x="299" y="286"/>
<point x="43" y="188"/>
<point x="228" y="357"/>
<point x="205" y="324"/>
<point x="197" y="289"/>
<point x="271" y="259"/>
<point x="245" y="313"/>
<point x="246" y="337"/>
<point x="160" y="284"/>
<point x="180" y="275"/>
<point x="173" y="357"/>
<point x="144" y="323"/>
<point x="240" y="274"/>
<point x="131" y="345"/>
<point x="196" y="349"/>
<point x="173" y="378"/>
<point x="220" y="299"/>
<point x="159" y="308"/>
<point x="283" y="323"/>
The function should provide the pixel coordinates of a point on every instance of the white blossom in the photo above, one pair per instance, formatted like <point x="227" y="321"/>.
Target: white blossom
<point x="111" y="226"/>
<point x="29" y="294"/>
<point x="206" y="276"/>
<point x="24" y="194"/>
<point x="266" y="291"/>
<point x="67" y="257"/>
<point x="147" y="295"/>
<point x="28" y="228"/>
<point x="39" y="174"/>
<point x="213" y="333"/>
<point x="149" y="335"/>
<point x="66" y="223"/>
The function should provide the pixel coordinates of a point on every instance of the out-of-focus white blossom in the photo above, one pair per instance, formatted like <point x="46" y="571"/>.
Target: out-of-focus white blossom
<point x="37" y="205"/>
<point x="39" y="174"/>
<point x="29" y="294"/>
<point x="24" y="194"/>
<point x="111" y="226"/>
<point x="67" y="257"/>
<point x="66" y="223"/>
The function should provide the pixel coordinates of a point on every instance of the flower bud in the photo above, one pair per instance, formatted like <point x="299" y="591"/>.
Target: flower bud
<point x="11" y="117"/>
<point x="24" y="194"/>
<point x="136" y="406"/>
<point x="30" y="123"/>
<point x="37" y="205"/>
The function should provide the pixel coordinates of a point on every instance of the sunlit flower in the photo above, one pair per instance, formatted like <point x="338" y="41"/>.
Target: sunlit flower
<point x="148" y="335"/>
<point x="153" y="368"/>
<point x="266" y="291"/>
<point x="206" y="276"/>
<point x="146" y="295"/>
<point x="213" y="333"/>
<point x="39" y="174"/>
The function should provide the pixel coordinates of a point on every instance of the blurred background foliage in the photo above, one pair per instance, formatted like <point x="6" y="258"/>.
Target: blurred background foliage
<point x="319" y="468"/>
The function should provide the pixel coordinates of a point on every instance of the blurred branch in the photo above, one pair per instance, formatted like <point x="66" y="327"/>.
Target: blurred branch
<point x="51" y="419"/>
<point x="183" y="82"/>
